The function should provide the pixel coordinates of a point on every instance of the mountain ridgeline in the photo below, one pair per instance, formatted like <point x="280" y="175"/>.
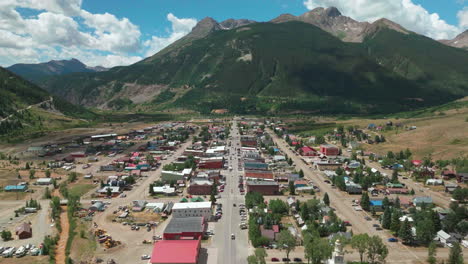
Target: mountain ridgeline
<point x="291" y="64"/>
<point x="36" y="72"/>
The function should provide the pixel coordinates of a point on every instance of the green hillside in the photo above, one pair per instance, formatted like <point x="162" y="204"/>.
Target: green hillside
<point x="289" y="67"/>
<point x="26" y="109"/>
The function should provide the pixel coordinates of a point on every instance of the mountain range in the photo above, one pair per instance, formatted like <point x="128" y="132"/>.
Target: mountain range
<point x="36" y="72"/>
<point x="320" y="62"/>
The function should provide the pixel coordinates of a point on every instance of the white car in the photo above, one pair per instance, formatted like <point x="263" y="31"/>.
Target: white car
<point x="144" y="257"/>
<point x="358" y="208"/>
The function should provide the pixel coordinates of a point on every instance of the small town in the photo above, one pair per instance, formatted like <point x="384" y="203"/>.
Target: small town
<point x="228" y="191"/>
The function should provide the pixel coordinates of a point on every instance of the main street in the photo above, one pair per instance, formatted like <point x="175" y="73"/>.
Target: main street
<point x="231" y="251"/>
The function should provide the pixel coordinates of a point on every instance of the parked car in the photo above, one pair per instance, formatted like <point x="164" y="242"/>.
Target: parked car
<point x="297" y="259"/>
<point x="274" y="260"/>
<point x="368" y="218"/>
<point x="144" y="257"/>
<point x="285" y="260"/>
<point x="392" y="239"/>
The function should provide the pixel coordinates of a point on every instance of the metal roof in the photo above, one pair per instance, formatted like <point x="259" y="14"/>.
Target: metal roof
<point x="185" y="224"/>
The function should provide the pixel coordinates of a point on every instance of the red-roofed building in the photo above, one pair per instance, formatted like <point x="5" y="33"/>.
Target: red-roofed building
<point x="416" y="162"/>
<point x="175" y="251"/>
<point x="270" y="233"/>
<point x="329" y="150"/>
<point x="263" y="175"/>
<point x="308" y="151"/>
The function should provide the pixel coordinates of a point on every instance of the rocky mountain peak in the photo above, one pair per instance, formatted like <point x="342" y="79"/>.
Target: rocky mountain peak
<point x="229" y="24"/>
<point x="332" y="12"/>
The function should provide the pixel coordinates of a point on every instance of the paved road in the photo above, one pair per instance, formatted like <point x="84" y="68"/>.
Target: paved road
<point x="342" y="203"/>
<point x="231" y="251"/>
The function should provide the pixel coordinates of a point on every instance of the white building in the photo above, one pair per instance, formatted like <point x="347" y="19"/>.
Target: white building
<point x="202" y="209"/>
<point x="166" y="189"/>
<point x="44" y="181"/>
<point x="338" y="254"/>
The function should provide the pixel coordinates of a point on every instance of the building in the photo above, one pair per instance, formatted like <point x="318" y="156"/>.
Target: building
<point x="15" y="188"/>
<point x="200" y="187"/>
<point x="156" y="207"/>
<point x="270" y="233"/>
<point x="114" y="190"/>
<point x="263" y="187"/>
<point x="211" y="163"/>
<point x="450" y="187"/>
<point x="434" y="182"/>
<point x="259" y="175"/>
<point x="444" y="238"/>
<point x="251" y="165"/>
<point x="308" y="151"/>
<point x="175" y="252"/>
<point x="195" y="209"/>
<point x="97" y="206"/>
<point x="337" y="255"/>
<point x="328" y="165"/>
<point x="167" y="176"/>
<point x="44" y="181"/>
<point x="24" y="231"/>
<point x="329" y="150"/>
<point x="353" y="188"/>
<point x="377" y="205"/>
<point x="419" y="201"/>
<point x="166" y="190"/>
<point x="248" y="141"/>
<point x="185" y="228"/>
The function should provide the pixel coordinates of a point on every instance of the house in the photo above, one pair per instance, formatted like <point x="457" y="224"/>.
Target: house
<point x="250" y="165"/>
<point x="329" y="150"/>
<point x="395" y="185"/>
<point x="300" y="183"/>
<point x="444" y="238"/>
<point x="419" y="201"/>
<point x="200" y="187"/>
<point x="15" y="188"/>
<point x="138" y="205"/>
<point x="263" y="187"/>
<point x="200" y="209"/>
<point x="248" y="141"/>
<point x="308" y="151"/>
<point x="156" y="207"/>
<point x="328" y="165"/>
<point x="462" y="177"/>
<point x="434" y="182"/>
<point x="44" y="181"/>
<point x="185" y="228"/>
<point x="353" y="188"/>
<point x="377" y="205"/>
<point x="278" y="158"/>
<point x="24" y="231"/>
<point x="115" y="191"/>
<point x="450" y="187"/>
<point x="270" y="233"/>
<point x="447" y="174"/>
<point x="175" y="251"/>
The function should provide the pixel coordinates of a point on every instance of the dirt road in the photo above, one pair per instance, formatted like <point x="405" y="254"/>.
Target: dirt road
<point x="62" y="243"/>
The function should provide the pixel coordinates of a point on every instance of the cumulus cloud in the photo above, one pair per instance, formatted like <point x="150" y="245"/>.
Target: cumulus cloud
<point x="63" y="30"/>
<point x="462" y="16"/>
<point x="411" y="16"/>
<point x="180" y="27"/>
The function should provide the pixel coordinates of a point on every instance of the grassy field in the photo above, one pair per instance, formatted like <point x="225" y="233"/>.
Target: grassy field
<point x="80" y="189"/>
<point x="444" y="135"/>
<point x="84" y="244"/>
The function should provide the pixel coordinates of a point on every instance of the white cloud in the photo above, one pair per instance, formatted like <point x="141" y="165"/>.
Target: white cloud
<point x="63" y="30"/>
<point x="180" y="27"/>
<point x="462" y="16"/>
<point x="405" y="12"/>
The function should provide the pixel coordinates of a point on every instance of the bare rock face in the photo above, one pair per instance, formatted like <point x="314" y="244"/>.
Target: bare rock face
<point x="235" y="23"/>
<point x="204" y="28"/>
<point x="460" y="41"/>
<point x="347" y="29"/>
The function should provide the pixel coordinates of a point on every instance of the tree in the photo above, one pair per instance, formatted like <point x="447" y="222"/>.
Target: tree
<point x="6" y="235"/>
<point x="385" y="202"/>
<point x="460" y="194"/>
<point x="278" y="206"/>
<point x="360" y="243"/>
<point x="395" y="176"/>
<point x="301" y="173"/>
<point x="405" y="233"/>
<point x="286" y="241"/>
<point x="397" y="203"/>
<point x="47" y="173"/>
<point x="431" y="253"/>
<point x="290" y="161"/>
<point x="47" y="194"/>
<point x="260" y="255"/>
<point x="387" y="218"/>
<point x="412" y="192"/>
<point x="109" y="192"/>
<point x="317" y="250"/>
<point x="253" y="199"/>
<point x="395" y="222"/>
<point x="326" y="199"/>
<point x="365" y="201"/>
<point x="31" y="174"/>
<point x="292" y="188"/>
<point x="455" y="255"/>
<point x="252" y="259"/>
<point x="72" y="176"/>
<point x="376" y="250"/>
<point x="425" y="231"/>
<point x="27" y="167"/>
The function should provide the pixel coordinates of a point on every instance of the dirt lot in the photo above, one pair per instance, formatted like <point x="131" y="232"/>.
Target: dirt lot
<point x="26" y="259"/>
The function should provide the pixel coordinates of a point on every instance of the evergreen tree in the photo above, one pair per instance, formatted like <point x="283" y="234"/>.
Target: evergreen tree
<point x="431" y="253"/>
<point x="455" y="255"/>
<point x="395" y="221"/>
<point x="292" y="188"/>
<point x="301" y="173"/>
<point x="365" y="201"/>
<point x="326" y="199"/>
<point x="405" y="233"/>
<point x="387" y="218"/>
<point x="397" y="203"/>
<point x="385" y="202"/>
<point x="395" y="176"/>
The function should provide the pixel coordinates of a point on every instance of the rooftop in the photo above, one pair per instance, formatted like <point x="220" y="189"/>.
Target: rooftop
<point x="191" y="205"/>
<point x="186" y="224"/>
<point x="175" y="251"/>
<point x="261" y="183"/>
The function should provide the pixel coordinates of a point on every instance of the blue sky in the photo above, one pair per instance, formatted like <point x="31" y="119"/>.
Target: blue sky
<point x="121" y="32"/>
